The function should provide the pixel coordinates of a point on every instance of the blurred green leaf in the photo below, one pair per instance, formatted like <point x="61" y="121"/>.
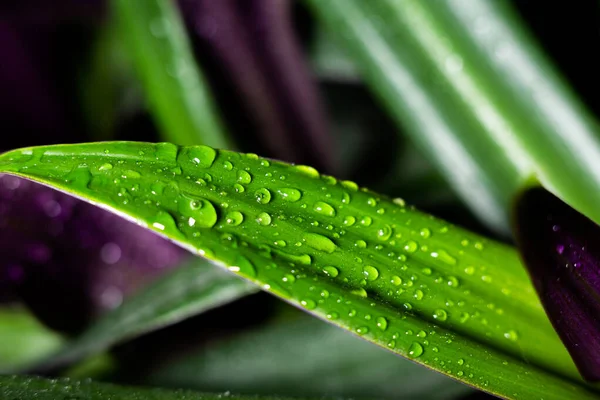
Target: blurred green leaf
<point x="24" y="339"/>
<point x="191" y="289"/>
<point x="424" y="289"/>
<point x="474" y="92"/>
<point x="305" y="356"/>
<point x="178" y="94"/>
<point x="25" y="387"/>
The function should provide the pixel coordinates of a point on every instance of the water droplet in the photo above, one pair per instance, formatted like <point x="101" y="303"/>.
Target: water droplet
<point x="324" y="209"/>
<point x="371" y="273"/>
<point x="366" y="221"/>
<point x="244" y="177"/>
<point x="201" y="156"/>
<point x="486" y="278"/>
<point x="453" y="281"/>
<point x="361" y="244"/>
<point x="426" y="271"/>
<point x="442" y="255"/>
<point x="470" y="270"/>
<point x="280" y="243"/>
<point x="309" y="171"/>
<point x="425" y="233"/>
<point x="382" y="323"/>
<point x="440" y="314"/>
<point x="308" y="304"/>
<point x="319" y="242"/>
<point x="411" y="246"/>
<point x="385" y="232"/>
<point x="234" y="218"/>
<point x="263" y="195"/>
<point x="290" y="194"/>
<point x="333" y="316"/>
<point x="372" y="202"/>
<point x="361" y="330"/>
<point x="396" y="280"/>
<point x="105" y="167"/>
<point x="239" y="188"/>
<point x="243" y="266"/>
<point x="361" y="292"/>
<point x="349" y="220"/>
<point x="415" y="350"/>
<point x="202" y="211"/>
<point x="331" y="271"/>
<point x="418" y="294"/>
<point x="263" y="219"/>
<point x="511" y="335"/>
<point x="399" y="202"/>
<point x="228" y="165"/>
<point x="289" y="278"/>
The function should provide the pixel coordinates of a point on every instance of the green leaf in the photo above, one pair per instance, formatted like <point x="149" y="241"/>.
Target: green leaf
<point x="476" y="94"/>
<point x="305" y="356"/>
<point x="189" y="290"/>
<point x="177" y="92"/>
<point x="26" y="387"/>
<point x="24" y="339"/>
<point x="424" y="289"/>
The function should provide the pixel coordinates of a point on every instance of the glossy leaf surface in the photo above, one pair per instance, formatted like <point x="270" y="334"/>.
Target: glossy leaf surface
<point x="23" y="387"/>
<point x="191" y="289"/>
<point x="422" y="288"/>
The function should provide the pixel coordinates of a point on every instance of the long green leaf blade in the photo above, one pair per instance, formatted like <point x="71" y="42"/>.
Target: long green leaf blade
<point x="193" y="288"/>
<point x="476" y="94"/>
<point x="418" y="286"/>
<point x="176" y="90"/>
<point x="26" y="387"/>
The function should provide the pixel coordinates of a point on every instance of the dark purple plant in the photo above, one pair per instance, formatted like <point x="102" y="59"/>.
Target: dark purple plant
<point x="561" y="249"/>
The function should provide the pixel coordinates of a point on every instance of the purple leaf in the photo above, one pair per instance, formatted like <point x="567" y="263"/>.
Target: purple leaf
<point x="561" y="249"/>
<point x="255" y="49"/>
<point x="69" y="260"/>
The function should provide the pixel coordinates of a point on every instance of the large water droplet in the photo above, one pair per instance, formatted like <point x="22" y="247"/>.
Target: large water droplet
<point x="324" y="209"/>
<point x="415" y="350"/>
<point x="201" y="156"/>
<point x="442" y="255"/>
<point x="385" y="232"/>
<point x="306" y="170"/>
<point x="411" y="246"/>
<point x="308" y="304"/>
<point x="396" y="280"/>
<point x="440" y="314"/>
<point x="319" y="242"/>
<point x="262" y="195"/>
<point x="263" y="219"/>
<point x="382" y="323"/>
<point x="244" y="267"/>
<point x="200" y="212"/>
<point x="244" y="177"/>
<point x="331" y="271"/>
<point x="290" y="194"/>
<point x="371" y="273"/>
<point x="349" y="220"/>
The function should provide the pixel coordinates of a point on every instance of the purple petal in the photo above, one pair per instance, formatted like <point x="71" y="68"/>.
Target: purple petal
<point x="69" y="260"/>
<point x="561" y="249"/>
<point x="255" y="50"/>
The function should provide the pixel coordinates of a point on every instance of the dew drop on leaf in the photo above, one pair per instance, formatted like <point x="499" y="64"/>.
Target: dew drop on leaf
<point x="331" y="271"/>
<point x="415" y="350"/>
<point x="234" y="218"/>
<point x="425" y="233"/>
<point x="201" y="156"/>
<point x="306" y="170"/>
<point x="319" y="242"/>
<point x="202" y="211"/>
<point x="411" y="246"/>
<point x="290" y="194"/>
<point x="239" y="188"/>
<point x="308" y="304"/>
<point x="244" y="177"/>
<point x="263" y="219"/>
<point x="371" y="273"/>
<point x="324" y="209"/>
<point x="384" y="233"/>
<point x="349" y="220"/>
<point x="396" y="280"/>
<point x="262" y="195"/>
<point x="361" y="330"/>
<point x="382" y="323"/>
<point x="440" y="314"/>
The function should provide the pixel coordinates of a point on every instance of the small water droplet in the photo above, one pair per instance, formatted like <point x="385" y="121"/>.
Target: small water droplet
<point x="366" y="221"/>
<point x="399" y="202"/>
<point x="418" y="294"/>
<point x="239" y="188"/>
<point x="470" y="270"/>
<point x="382" y="323"/>
<point x="385" y="232"/>
<point x="440" y="314"/>
<point x="324" y="209"/>
<point x="361" y="330"/>
<point x="309" y="171"/>
<point x="396" y="280"/>
<point x="442" y="255"/>
<point x="411" y="246"/>
<point x="234" y="218"/>
<point x="361" y="292"/>
<point x="263" y="219"/>
<point x="349" y="220"/>
<point x="453" y="281"/>
<point x="371" y="273"/>
<point x="202" y="211"/>
<point x="262" y="195"/>
<point x="201" y="156"/>
<point x="228" y="165"/>
<point x="511" y="335"/>
<point x="331" y="271"/>
<point x="308" y="304"/>
<point x="425" y="233"/>
<point x="289" y="278"/>
<point x="361" y="244"/>
<point x="105" y="167"/>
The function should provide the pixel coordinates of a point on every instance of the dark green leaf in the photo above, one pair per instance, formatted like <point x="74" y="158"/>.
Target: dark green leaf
<point x="418" y="286"/>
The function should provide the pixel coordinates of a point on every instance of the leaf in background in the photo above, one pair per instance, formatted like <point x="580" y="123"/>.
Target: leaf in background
<point x="432" y="292"/>
<point x="176" y="90"/>
<point x="306" y="357"/>
<point x="189" y="290"/>
<point x="475" y="93"/>
<point x="255" y="51"/>
<point x="25" y="387"/>
<point x="23" y="339"/>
